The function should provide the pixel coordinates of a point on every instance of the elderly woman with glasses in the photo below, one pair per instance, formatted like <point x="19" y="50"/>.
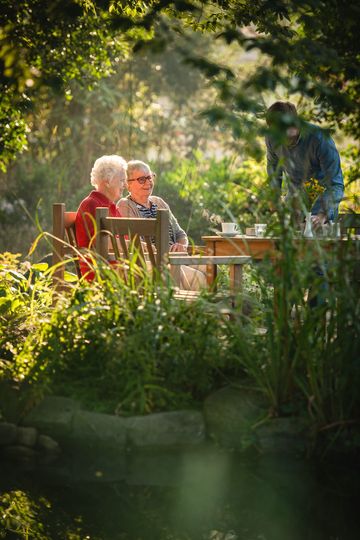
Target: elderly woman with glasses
<point x="141" y="203"/>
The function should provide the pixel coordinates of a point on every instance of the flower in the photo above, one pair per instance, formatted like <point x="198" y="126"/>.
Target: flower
<point x="312" y="190"/>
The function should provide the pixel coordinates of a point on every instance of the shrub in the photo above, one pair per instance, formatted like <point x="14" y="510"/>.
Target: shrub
<point x="145" y="350"/>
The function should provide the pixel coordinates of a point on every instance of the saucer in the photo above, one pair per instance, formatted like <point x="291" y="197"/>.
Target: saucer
<point x="227" y="234"/>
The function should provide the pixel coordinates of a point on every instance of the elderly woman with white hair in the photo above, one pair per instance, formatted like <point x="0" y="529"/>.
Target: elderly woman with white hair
<point x="108" y="176"/>
<point x="141" y="203"/>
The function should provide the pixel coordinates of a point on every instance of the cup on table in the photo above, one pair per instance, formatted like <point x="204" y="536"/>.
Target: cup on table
<point x="260" y="229"/>
<point x="229" y="228"/>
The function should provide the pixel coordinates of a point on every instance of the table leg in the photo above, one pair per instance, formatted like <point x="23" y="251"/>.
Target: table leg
<point x="211" y="275"/>
<point x="236" y="274"/>
<point x="211" y="269"/>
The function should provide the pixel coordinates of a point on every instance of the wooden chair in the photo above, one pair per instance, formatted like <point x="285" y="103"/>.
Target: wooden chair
<point x="63" y="241"/>
<point x="65" y="245"/>
<point x="154" y="233"/>
<point x="128" y="234"/>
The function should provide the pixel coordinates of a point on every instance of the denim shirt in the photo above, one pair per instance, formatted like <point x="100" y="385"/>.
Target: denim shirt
<point x="313" y="156"/>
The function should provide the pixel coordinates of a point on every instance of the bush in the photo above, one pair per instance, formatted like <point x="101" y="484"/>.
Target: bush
<point x="116" y="349"/>
<point x="203" y="192"/>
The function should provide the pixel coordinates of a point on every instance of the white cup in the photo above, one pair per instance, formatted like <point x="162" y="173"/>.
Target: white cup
<point x="229" y="228"/>
<point x="260" y="229"/>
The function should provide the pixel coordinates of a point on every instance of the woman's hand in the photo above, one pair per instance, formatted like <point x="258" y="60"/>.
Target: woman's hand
<point x="178" y="247"/>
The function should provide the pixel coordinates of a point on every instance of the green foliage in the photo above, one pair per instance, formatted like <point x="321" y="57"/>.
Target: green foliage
<point x="318" y="61"/>
<point x="24" y="295"/>
<point x="13" y="131"/>
<point x="204" y="192"/>
<point x="147" y="352"/>
<point x="26" y="517"/>
<point x="19" y="515"/>
<point x="44" y="47"/>
<point x="136" y="112"/>
<point x="308" y="351"/>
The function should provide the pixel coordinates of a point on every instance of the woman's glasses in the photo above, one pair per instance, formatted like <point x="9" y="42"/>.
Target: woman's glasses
<point x="142" y="179"/>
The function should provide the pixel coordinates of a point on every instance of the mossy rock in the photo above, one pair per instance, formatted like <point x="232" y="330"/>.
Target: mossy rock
<point x="237" y="418"/>
<point x="230" y="415"/>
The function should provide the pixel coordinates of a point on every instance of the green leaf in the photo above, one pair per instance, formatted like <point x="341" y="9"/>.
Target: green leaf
<point x="41" y="267"/>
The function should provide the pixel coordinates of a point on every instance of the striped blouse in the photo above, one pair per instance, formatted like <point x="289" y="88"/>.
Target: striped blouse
<point x="151" y="213"/>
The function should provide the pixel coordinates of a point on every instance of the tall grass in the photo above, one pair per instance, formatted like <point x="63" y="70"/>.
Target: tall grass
<point x="145" y="349"/>
<point x="308" y="361"/>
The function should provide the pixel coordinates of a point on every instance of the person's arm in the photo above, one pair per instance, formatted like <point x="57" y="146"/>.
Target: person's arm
<point x="181" y="239"/>
<point x="274" y="170"/>
<point x="85" y="224"/>
<point x="326" y="205"/>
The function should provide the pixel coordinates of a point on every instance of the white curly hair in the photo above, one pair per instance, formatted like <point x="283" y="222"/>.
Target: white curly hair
<point x="106" y="169"/>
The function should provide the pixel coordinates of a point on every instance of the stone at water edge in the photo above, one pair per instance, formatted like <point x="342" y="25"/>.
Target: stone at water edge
<point x="283" y="435"/>
<point x="47" y="444"/>
<point x="230" y="414"/>
<point x="26" y="436"/>
<point x="53" y="416"/>
<point x="20" y="453"/>
<point x="91" y="428"/>
<point x="177" y="428"/>
<point x="8" y="433"/>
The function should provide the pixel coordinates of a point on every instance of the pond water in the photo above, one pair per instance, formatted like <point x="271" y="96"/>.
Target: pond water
<point x="201" y="494"/>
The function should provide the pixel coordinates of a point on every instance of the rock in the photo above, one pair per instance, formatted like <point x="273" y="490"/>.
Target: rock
<point x="12" y="402"/>
<point x="8" y="433"/>
<point x="97" y="429"/>
<point x="230" y="415"/>
<point x="282" y="435"/>
<point x="53" y="416"/>
<point x="233" y="418"/>
<point x="26" y="436"/>
<point x="47" y="444"/>
<point x="178" y="428"/>
<point x="20" y="453"/>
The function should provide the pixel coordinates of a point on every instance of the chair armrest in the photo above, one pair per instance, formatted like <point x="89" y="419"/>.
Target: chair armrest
<point x="196" y="250"/>
<point x="178" y="259"/>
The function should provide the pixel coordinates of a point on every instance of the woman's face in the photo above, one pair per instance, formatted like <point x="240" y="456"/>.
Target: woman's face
<point x="140" y="183"/>
<point x="115" y="188"/>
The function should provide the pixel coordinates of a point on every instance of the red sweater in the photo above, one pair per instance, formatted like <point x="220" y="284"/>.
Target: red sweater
<point x="84" y="223"/>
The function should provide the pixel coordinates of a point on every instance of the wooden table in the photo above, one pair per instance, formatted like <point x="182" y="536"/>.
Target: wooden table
<point x="253" y="246"/>
<point x="260" y="248"/>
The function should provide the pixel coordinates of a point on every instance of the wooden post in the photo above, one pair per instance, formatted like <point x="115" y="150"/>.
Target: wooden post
<point x="162" y="238"/>
<point x="58" y="242"/>
<point x="236" y="274"/>
<point x="211" y="269"/>
<point x="102" y="237"/>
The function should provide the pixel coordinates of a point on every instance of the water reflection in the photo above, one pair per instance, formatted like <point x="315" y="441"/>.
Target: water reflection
<point x="192" y="495"/>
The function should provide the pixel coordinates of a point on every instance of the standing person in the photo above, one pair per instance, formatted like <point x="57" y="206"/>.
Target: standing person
<point x="305" y="152"/>
<point x="141" y="203"/>
<point x="108" y="176"/>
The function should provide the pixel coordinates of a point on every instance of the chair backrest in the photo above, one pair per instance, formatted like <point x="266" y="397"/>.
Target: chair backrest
<point x="64" y="239"/>
<point x="349" y="221"/>
<point x="137" y="232"/>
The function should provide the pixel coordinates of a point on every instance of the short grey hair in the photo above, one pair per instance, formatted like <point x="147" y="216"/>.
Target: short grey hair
<point x="106" y="168"/>
<point x="136" y="164"/>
